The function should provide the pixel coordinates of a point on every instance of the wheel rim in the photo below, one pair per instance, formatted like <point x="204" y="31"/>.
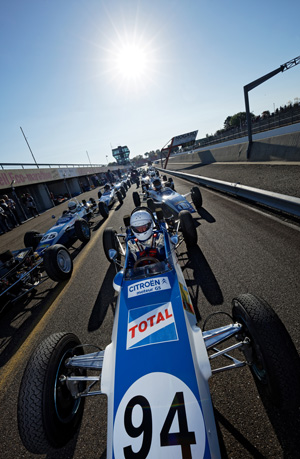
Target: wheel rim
<point x="64" y="261"/>
<point x="66" y="406"/>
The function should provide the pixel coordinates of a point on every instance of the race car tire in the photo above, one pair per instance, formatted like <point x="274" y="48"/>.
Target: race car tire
<point x="82" y="230"/>
<point x="99" y="194"/>
<point x="125" y="186"/>
<point x="128" y="183"/>
<point x="119" y="197"/>
<point x="196" y="197"/>
<point x="170" y="184"/>
<point x="58" y="263"/>
<point x="32" y="239"/>
<point x="103" y="209"/>
<point x="48" y="415"/>
<point x="188" y="228"/>
<point x="136" y="199"/>
<point x="165" y="178"/>
<point x="150" y="204"/>
<point x="110" y="242"/>
<point x="275" y="362"/>
<point x="123" y="192"/>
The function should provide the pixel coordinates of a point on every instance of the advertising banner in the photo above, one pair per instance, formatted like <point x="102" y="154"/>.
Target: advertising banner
<point x="184" y="138"/>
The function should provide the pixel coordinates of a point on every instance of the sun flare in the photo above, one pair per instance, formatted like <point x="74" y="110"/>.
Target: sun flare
<point x="131" y="61"/>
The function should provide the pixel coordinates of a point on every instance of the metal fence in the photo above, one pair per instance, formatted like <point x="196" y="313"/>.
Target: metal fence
<point x="281" y="118"/>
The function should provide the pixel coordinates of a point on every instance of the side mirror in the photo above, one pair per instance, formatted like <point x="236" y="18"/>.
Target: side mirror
<point x="174" y="240"/>
<point x="113" y="254"/>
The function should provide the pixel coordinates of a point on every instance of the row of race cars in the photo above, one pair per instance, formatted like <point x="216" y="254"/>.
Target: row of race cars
<point x="46" y="254"/>
<point x="156" y="369"/>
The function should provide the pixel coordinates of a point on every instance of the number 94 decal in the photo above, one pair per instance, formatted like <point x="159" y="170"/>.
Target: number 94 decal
<point x="168" y="424"/>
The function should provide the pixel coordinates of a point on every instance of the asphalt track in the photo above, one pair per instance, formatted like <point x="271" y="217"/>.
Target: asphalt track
<point x="240" y="249"/>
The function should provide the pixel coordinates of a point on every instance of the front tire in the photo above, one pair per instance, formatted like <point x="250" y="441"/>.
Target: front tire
<point x="150" y="204"/>
<point x="196" y="197"/>
<point x="136" y="199"/>
<point x="187" y="226"/>
<point x="274" y="360"/>
<point x="48" y="415"/>
<point x="123" y="192"/>
<point x="103" y="209"/>
<point x="82" y="230"/>
<point x="58" y="263"/>
<point x="119" y="197"/>
<point x="110" y="242"/>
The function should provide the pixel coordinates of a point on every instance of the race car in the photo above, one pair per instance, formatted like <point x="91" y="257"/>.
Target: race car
<point x="72" y="225"/>
<point x="21" y="271"/>
<point x="106" y="199"/>
<point x="158" y="195"/>
<point x="155" y="371"/>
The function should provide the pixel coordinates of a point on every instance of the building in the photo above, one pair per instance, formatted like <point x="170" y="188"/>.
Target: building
<point x="121" y="154"/>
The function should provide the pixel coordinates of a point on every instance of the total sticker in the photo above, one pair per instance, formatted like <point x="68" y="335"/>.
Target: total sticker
<point x="159" y="417"/>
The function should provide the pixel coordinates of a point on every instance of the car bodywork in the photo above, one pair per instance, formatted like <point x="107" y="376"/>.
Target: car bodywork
<point x="156" y="369"/>
<point x="67" y="228"/>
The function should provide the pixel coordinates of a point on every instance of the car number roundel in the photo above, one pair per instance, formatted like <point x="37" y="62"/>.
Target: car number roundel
<point x="159" y="417"/>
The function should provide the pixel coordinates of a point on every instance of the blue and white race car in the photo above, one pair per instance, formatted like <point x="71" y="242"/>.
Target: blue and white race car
<point x="72" y="225"/>
<point x="51" y="248"/>
<point x="110" y="195"/>
<point x="159" y="195"/>
<point x="156" y="370"/>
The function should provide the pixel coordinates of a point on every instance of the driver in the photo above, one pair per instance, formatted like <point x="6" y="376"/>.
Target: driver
<point x="147" y="242"/>
<point x="107" y="187"/>
<point x="157" y="185"/>
<point x="72" y="207"/>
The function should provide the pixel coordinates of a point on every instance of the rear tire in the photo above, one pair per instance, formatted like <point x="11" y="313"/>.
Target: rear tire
<point x="82" y="230"/>
<point x="275" y="362"/>
<point x="187" y="226"/>
<point x="136" y="199"/>
<point x="110" y="242"/>
<point x="48" y="415"/>
<point x="32" y="239"/>
<point x="103" y="209"/>
<point x="58" y="263"/>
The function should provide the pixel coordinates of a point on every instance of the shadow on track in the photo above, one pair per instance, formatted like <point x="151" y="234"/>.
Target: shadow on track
<point x="203" y="278"/>
<point x="106" y="297"/>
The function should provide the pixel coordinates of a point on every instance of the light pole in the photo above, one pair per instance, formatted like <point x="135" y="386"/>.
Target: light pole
<point x="29" y="148"/>
<point x="66" y="185"/>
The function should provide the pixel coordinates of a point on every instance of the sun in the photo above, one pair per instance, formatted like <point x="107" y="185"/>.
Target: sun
<point x="131" y="61"/>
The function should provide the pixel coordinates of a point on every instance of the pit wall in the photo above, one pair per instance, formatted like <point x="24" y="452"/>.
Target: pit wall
<point x="279" y="148"/>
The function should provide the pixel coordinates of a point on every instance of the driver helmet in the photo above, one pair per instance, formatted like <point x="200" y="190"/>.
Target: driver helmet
<point x="72" y="206"/>
<point x="157" y="184"/>
<point x="152" y="173"/>
<point x="141" y="224"/>
<point x="106" y="187"/>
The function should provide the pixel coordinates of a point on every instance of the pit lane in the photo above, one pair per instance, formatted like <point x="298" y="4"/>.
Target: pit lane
<point x="239" y="250"/>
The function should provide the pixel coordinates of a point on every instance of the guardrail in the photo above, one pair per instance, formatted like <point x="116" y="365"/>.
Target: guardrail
<point x="280" y="202"/>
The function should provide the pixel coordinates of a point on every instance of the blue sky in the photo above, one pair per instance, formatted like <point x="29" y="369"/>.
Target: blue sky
<point x="84" y="75"/>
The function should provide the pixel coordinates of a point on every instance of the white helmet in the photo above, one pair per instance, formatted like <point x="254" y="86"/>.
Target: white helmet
<point x="141" y="224"/>
<point x="72" y="206"/>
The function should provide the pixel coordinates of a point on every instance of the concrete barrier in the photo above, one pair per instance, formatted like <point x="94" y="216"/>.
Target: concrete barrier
<point x="280" y="202"/>
<point x="284" y="147"/>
